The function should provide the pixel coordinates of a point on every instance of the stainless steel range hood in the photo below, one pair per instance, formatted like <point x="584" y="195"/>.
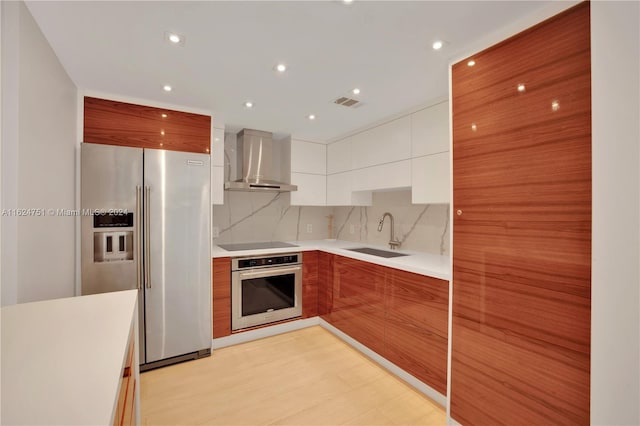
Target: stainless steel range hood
<point x="254" y="156"/>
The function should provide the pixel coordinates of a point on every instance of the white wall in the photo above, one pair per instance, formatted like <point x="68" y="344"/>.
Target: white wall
<point x="38" y="163"/>
<point x="615" y="305"/>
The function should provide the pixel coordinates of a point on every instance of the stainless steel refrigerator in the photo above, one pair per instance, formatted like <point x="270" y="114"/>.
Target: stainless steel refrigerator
<point x="146" y="225"/>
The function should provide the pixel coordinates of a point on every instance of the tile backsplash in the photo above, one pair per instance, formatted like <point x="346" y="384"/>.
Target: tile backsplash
<point x="251" y="216"/>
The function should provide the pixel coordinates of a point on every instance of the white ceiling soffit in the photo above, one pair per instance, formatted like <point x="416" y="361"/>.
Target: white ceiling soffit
<point x="381" y="47"/>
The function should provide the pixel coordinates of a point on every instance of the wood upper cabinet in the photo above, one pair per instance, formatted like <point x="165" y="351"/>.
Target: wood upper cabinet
<point x="221" y="297"/>
<point x="522" y="228"/>
<point x="119" y="123"/>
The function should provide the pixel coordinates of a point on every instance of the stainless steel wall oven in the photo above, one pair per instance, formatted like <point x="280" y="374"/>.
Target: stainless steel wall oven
<point x="265" y="289"/>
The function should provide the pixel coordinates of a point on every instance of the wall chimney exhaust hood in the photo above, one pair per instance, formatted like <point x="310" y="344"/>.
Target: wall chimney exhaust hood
<point x="254" y="159"/>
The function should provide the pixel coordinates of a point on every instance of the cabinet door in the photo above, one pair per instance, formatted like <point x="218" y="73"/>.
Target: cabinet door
<point x="221" y="296"/>
<point x="340" y="193"/>
<point x="309" y="284"/>
<point x="358" y="301"/>
<point x="325" y="284"/>
<point x="417" y="311"/>
<point x="339" y="156"/>
<point x="382" y="177"/>
<point x="430" y="130"/>
<point x="430" y="179"/>
<point x="119" y="123"/>
<point x="308" y="157"/>
<point x="312" y="190"/>
<point x="382" y="144"/>
<point x="522" y="228"/>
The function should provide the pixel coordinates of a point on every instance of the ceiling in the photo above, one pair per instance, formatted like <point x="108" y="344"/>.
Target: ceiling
<point x="381" y="47"/>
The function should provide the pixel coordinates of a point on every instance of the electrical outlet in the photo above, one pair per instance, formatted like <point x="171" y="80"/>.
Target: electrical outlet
<point x="352" y="229"/>
<point x="215" y="232"/>
<point x="309" y="228"/>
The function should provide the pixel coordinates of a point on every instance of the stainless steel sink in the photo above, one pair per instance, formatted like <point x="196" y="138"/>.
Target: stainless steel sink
<point x="377" y="252"/>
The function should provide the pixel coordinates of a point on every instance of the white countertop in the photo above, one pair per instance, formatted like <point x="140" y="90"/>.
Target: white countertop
<point x="62" y="359"/>
<point x="420" y="263"/>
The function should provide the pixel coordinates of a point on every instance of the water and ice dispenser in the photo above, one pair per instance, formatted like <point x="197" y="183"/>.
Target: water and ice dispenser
<point x="112" y="237"/>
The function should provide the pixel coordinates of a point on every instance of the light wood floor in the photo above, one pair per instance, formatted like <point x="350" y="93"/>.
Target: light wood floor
<point x="306" y="377"/>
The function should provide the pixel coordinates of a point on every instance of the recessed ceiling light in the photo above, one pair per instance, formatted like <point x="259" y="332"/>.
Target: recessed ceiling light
<point x="471" y="63"/>
<point x="356" y="91"/>
<point x="311" y="117"/>
<point x="437" y="45"/>
<point x="280" y="67"/>
<point x="174" y="38"/>
<point x="248" y="104"/>
<point x="167" y="88"/>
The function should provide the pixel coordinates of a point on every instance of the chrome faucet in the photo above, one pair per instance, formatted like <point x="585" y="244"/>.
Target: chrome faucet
<point x="393" y="242"/>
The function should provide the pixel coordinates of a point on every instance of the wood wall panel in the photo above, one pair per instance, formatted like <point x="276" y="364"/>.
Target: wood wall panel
<point x="417" y="311"/>
<point x="119" y="123"/>
<point x="309" y="284"/>
<point x="221" y="296"/>
<point x="522" y="243"/>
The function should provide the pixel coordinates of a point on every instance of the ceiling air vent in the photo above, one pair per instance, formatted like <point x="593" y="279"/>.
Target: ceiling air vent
<point x="348" y="102"/>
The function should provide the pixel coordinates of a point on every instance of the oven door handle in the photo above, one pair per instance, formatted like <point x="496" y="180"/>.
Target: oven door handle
<point x="266" y="272"/>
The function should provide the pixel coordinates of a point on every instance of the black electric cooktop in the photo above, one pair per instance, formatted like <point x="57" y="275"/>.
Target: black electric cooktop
<point x="256" y="246"/>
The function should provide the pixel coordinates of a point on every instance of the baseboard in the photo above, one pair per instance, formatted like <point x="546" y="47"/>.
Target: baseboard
<point x="387" y="365"/>
<point x="260" y="333"/>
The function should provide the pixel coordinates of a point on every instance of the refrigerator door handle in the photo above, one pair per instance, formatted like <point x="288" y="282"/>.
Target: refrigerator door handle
<point x="138" y="237"/>
<point x="147" y="239"/>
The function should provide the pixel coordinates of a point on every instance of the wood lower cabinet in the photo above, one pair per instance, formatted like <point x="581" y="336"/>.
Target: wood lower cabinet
<point x="120" y="123"/>
<point x="126" y="405"/>
<point x="416" y="312"/>
<point x="221" y="296"/>
<point x="309" y="284"/>
<point x="522" y="228"/>
<point x="400" y="315"/>
<point x="358" y="301"/>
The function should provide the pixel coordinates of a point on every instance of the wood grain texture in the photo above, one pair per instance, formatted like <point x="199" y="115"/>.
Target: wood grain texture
<point x="221" y="296"/>
<point x="417" y="311"/>
<point x="358" y="301"/>
<point x="522" y="243"/>
<point x="325" y="284"/>
<point x="119" y="123"/>
<point x="400" y="315"/>
<point x="310" y="284"/>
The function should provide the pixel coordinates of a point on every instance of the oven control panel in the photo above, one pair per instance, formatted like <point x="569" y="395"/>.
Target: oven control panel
<point x="266" y="261"/>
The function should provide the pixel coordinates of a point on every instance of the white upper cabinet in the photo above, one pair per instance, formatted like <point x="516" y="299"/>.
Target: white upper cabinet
<point x="339" y="156"/>
<point x="217" y="165"/>
<point x="382" y="177"/>
<point x="430" y="130"/>
<point x="308" y="157"/>
<point x="382" y="144"/>
<point x="217" y="147"/>
<point x="309" y="173"/>
<point x="341" y="193"/>
<point x="431" y="179"/>
<point x="312" y="189"/>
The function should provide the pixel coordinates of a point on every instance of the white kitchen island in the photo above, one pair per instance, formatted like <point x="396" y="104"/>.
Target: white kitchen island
<point x="63" y="360"/>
